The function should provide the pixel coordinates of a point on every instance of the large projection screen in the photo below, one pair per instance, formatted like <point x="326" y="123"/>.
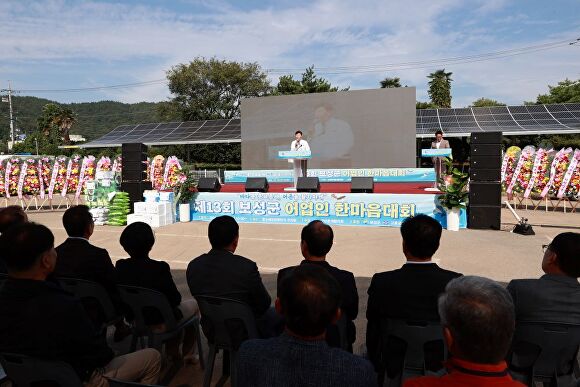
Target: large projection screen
<point x="346" y="129"/>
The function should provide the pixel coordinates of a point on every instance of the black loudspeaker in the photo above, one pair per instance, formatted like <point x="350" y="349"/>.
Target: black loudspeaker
<point x="133" y="175"/>
<point x="208" y="184"/>
<point x="486" y="138"/>
<point x="490" y="175"/>
<point x="136" y="152"/>
<point x="308" y="184"/>
<point x="484" y="194"/>
<point x="484" y="217"/>
<point x="135" y="190"/>
<point x="485" y="162"/>
<point x="362" y="184"/>
<point x="257" y="184"/>
<point x="486" y="150"/>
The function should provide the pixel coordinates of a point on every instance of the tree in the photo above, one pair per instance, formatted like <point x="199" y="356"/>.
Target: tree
<point x="56" y="118"/>
<point x="425" y="105"/>
<point x="440" y="88"/>
<point x="310" y="83"/>
<point x="483" y="102"/>
<point x="566" y="91"/>
<point x="212" y="89"/>
<point x="390" y="83"/>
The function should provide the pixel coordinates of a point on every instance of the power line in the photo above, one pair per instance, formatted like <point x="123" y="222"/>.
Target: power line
<point x="373" y="68"/>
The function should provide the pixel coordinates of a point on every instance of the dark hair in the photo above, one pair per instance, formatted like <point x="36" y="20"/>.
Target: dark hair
<point x="439" y="132"/>
<point x="298" y="131"/>
<point x="318" y="237"/>
<point x="309" y="297"/>
<point x="222" y="231"/>
<point x="566" y="246"/>
<point x="76" y="220"/>
<point x="11" y="216"/>
<point x="480" y="315"/>
<point x="137" y="239"/>
<point x="421" y="234"/>
<point x="22" y="245"/>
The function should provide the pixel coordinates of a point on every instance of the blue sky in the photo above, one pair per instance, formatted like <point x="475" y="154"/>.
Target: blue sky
<point x="58" y="44"/>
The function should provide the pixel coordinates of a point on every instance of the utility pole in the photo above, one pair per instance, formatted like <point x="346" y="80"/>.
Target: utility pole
<point x="9" y="90"/>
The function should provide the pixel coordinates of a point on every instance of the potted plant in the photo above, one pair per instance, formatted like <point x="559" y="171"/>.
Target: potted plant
<point x="455" y="194"/>
<point x="186" y="190"/>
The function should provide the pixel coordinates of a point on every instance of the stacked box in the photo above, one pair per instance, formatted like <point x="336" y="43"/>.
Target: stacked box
<point x="151" y="195"/>
<point x="155" y="214"/>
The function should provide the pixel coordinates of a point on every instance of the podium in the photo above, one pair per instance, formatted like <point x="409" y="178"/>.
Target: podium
<point x="299" y="160"/>
<point x="438" y="164"/>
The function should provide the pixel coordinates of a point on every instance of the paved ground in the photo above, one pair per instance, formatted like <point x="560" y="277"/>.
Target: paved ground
<point x="500" y="255"/>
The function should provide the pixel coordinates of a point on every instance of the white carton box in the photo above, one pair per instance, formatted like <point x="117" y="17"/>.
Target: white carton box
<point x="155" y="208"/>
<point x="166" y="196"/>
<point x="140" y="208"/>
<point x="132" y="218"/>
<point x="151" y="195"/>
<point x="157" y="221"/>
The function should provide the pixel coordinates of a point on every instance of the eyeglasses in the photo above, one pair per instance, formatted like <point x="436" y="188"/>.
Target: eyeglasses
<point x="545" y="247"/>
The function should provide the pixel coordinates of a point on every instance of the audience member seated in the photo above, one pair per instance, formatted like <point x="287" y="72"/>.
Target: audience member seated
<point x="309" y="300"/>
<point x="41" y="320"/>
<point x="478" y="321"/>
<point x="10" y="217"/>
<point x="139" y="270"/>
<point x="316" y="241"/>
<point x="221" y="273"/>
<point x="409" y="293"/>
<point x="78" y="258"/>
<point x="555" y="296"/>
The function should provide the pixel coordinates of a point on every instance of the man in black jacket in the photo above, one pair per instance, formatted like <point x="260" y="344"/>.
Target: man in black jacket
<point x="41" y="320"/>
<point x="316" y="241"/>
<point x="409" y="293"/>
<point x="221" y="273"/>
<point x="78" y="258"/>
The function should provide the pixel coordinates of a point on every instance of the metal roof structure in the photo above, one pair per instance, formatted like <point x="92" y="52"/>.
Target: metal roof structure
<point x="454" y="122"/>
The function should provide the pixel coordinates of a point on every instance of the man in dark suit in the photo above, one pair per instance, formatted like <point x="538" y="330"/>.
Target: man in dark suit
<point x="309" y="300"/>
<point x="409" y="293"/>
<point x="316" y="241"/>
<point x="221" y="273"/>
<point x="78" y="258"/>
<point x="554" y="297"/>
<point x="438" y="162"/>
<point x="39" y="319"/>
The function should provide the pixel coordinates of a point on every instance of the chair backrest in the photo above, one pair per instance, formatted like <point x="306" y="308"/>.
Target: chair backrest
<point x="545" y="350"/>
<point x="142" y="299"/>
<point x="26" y="371"/>
<point x="92" y="291"/>
<point x="230" y="321"/>
<point x="415" y="335"/>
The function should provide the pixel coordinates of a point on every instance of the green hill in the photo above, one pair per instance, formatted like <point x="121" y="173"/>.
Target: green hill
<point x="94" y="118"/>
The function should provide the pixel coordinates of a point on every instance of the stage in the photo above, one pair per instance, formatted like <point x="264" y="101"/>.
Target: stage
<point x="379" y="188"/>
<point x="395" y="197"/>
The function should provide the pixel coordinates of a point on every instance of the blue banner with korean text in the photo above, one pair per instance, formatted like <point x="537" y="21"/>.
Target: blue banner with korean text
<point x="301" y="208"/>
<point x="380" y="175"/>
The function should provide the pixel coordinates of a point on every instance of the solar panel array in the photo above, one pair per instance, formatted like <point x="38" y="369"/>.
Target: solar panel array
<point x="511" y="120"/>
<point x="167" y="133"/>
<point x="455" y="122"/>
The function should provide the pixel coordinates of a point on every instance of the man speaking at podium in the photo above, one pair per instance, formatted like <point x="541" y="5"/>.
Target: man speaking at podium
<point x="299" y="145"/>
<point x="438" y="162"/>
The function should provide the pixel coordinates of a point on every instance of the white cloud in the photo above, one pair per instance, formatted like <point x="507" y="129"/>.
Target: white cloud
<point x="139" y="43"/>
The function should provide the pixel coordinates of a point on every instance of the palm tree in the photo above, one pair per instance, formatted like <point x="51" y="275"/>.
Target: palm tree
<point x="57" y="117"/>
<point x="440" y="88"/>
<point x="389" y="83"/>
